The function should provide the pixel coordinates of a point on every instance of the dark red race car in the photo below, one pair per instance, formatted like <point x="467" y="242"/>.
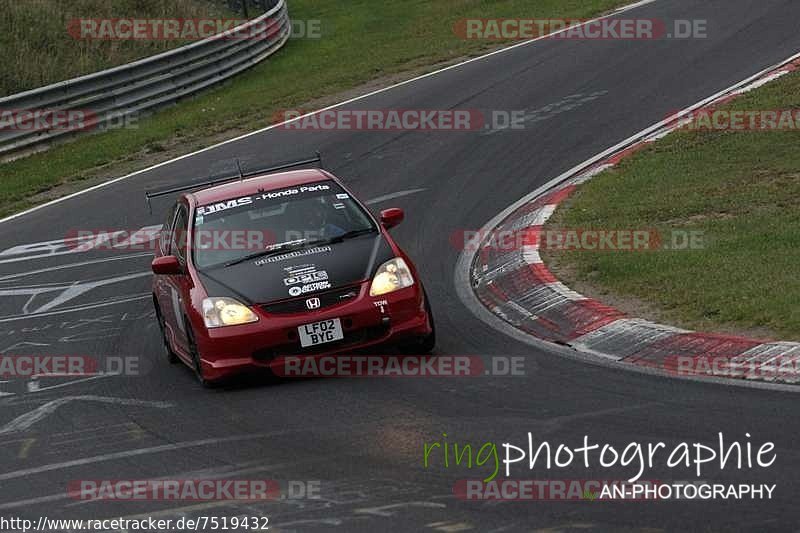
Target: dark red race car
<point x="270" y="264"/>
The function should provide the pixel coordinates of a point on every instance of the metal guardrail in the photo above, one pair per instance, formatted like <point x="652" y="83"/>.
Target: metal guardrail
<point x="108" y="96"/>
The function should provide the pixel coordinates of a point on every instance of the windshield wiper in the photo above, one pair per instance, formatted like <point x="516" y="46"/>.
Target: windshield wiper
<point x="299" y="244"/>
<point x="349" y="235"/>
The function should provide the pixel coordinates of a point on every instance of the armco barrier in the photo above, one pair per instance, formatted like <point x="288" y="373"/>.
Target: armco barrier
<point x="111" y="95"/>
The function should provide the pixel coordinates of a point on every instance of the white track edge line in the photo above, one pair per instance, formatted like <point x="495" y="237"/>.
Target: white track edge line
<point x="334" y="106"/>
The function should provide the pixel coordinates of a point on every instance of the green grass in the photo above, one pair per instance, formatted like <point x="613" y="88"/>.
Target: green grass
<point x="741" y="188"/>
<point x="38" y="49"/>
<point x="362" y="43"/>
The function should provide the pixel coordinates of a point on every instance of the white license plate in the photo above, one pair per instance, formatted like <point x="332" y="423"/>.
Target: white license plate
<point x="320" y="332"/>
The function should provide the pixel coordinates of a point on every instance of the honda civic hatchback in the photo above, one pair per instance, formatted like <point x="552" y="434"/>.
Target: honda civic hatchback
<point x="282" y="263"/>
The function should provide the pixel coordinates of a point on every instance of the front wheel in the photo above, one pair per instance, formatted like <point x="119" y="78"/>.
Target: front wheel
<point x="425" y="345"/>
<point x="168" y="353"/>
<point x="196" y="363"/>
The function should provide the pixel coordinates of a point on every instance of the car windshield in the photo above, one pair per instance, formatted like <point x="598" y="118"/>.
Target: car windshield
<point x="272" y="221"/>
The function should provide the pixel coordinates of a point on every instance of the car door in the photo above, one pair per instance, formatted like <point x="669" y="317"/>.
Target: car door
<point x="178" y="286"/>
<point x="161" y="286"/>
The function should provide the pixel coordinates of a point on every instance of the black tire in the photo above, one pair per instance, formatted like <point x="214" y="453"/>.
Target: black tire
<point x="197" y="367"/>
<point x="428" y="343"/>
<point x="168" y="353"/>
<point x="424" y="345"/>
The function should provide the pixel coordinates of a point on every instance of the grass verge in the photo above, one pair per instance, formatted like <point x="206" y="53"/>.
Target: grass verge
<point x="741" y="189"/>
<point x="38" y="49"/>
<point x="361" y="43"/>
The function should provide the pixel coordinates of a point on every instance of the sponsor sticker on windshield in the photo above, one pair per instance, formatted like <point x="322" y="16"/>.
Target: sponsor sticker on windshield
<point x="224" y="206"/>
<point x="219" y="207"/>
<point x="271" y="195"/>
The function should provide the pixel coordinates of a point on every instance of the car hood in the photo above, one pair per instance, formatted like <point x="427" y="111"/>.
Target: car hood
<point x="297" y="273"/>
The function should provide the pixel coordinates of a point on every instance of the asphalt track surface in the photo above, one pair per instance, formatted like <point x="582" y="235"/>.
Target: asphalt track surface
<point x="362" y="439"/>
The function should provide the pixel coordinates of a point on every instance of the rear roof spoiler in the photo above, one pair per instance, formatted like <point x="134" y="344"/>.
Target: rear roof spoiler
<point x="240" y="175"/>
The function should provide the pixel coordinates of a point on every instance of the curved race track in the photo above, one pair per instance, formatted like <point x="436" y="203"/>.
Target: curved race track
<point x="362" y="439"/>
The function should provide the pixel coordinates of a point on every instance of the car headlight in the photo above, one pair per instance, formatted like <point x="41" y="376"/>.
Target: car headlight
<point x="219" y="312"/>
<point x="391" y="276"/>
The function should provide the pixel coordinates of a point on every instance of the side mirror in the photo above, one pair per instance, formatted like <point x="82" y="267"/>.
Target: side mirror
<point x="166" y="266"/>
<point x="392" y="217"/>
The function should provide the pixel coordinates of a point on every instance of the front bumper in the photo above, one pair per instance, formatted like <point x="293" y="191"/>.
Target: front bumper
<point x="366" y="322"/>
